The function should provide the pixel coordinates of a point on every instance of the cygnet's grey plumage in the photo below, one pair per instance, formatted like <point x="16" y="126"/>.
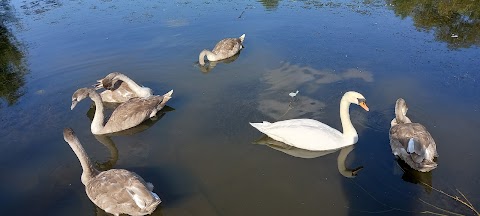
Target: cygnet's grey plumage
<point x="127" y="115"/>
<point x="412" y="142"/>
<point x="225" y="48"/>
<point x="120" y="88"/>
<point x="116" y="191"/>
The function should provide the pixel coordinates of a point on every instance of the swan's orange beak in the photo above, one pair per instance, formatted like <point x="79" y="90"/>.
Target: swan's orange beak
<point x="364" y="105"/>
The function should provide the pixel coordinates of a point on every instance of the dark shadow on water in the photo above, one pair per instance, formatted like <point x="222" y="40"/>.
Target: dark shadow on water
<point x="107" y="141"/>
<point x="414" y="176"/>
<point x="13" y="66"/>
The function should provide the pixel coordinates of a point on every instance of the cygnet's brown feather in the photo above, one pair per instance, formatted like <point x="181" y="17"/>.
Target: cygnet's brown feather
<point x="116" y="191"/>
<point x="403" y="133"/>
<point x="132" y="113"/>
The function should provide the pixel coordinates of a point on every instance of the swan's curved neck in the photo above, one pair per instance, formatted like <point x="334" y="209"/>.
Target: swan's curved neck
<point x="89" y="170"/>
<point x="139" y="90"/>
<point x="348" y="129"/>
<point x="400" y="117"/>
<point x="210" y="56"/>
<point x="98" y="118"/>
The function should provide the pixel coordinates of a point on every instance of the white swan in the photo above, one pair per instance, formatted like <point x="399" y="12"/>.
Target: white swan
<point x="127" y="115"/>
<point x="116" y="191"/>
<point x="314" y="135"/>
<point x="225" y="48"/>
<point x="412" y="142"/>
<point x="120" y="88"/>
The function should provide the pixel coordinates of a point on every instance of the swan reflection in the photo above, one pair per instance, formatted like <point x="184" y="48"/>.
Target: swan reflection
<point x="303" y="153"/>
<point x="107" y="141"/>
<point x="413" y="176"/>
<point x="100" y="212"/>
<point x="212" y="64"/>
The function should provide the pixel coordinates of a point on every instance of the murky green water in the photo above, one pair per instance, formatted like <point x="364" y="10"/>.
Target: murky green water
<point x="201" y="156"/>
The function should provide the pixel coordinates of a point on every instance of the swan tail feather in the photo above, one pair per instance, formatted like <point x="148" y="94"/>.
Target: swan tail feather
<point x="166" y="97"/>
<point x="242" y="38"/>
<point x="168" y="94"/>
<point x="261" y="126"/>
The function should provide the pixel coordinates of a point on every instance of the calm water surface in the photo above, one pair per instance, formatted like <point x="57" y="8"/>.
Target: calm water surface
<point x="201" y="155"/>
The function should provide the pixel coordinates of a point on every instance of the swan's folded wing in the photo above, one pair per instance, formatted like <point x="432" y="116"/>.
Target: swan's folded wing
<point x="108" y="192"/>
<point x="413" y="136"/>
<point x="303" y="133"/>
<point x="122" y="191"/>
<point x="132" y="113"/>
<point x="227" y="47"/>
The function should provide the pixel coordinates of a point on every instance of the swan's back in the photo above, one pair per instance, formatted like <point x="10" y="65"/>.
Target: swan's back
<point x="403" y="133"/>
<point x="422" y="146"/>
<point x="227" y="47"/>
<point x="120" y="93"/>
<point x="304" y="133"/>
<point x="132" y="113"/>
<point x="119" y="191"/>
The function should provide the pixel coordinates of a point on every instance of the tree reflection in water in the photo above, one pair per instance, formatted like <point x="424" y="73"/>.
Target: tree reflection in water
<point x="12" y="62"/>
<point x="456" y="22"/>
<point x="269" y="4"/>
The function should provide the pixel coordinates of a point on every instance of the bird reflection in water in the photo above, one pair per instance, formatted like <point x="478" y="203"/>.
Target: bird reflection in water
<point x="212" y="64"/>
<point x="307" y="154"/>
<point x="100" y="212"/>
<point x="414" y="176"/>
<point x="107" y="141"/>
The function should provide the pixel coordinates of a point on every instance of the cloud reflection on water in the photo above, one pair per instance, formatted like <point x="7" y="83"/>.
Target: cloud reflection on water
<point x="275" y="102"/>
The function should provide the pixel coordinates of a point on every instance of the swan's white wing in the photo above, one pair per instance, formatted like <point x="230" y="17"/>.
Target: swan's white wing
<point x="303" y="133"/>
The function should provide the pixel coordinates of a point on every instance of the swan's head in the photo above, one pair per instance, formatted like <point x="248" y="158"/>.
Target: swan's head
<point x="351" y="173"/>
<point x="356" y="98"/>
<point x="69" y="136"/>
<point x="79" y="95"/>
<point x="201" y="57"/>
<point x="401" y="107"/>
